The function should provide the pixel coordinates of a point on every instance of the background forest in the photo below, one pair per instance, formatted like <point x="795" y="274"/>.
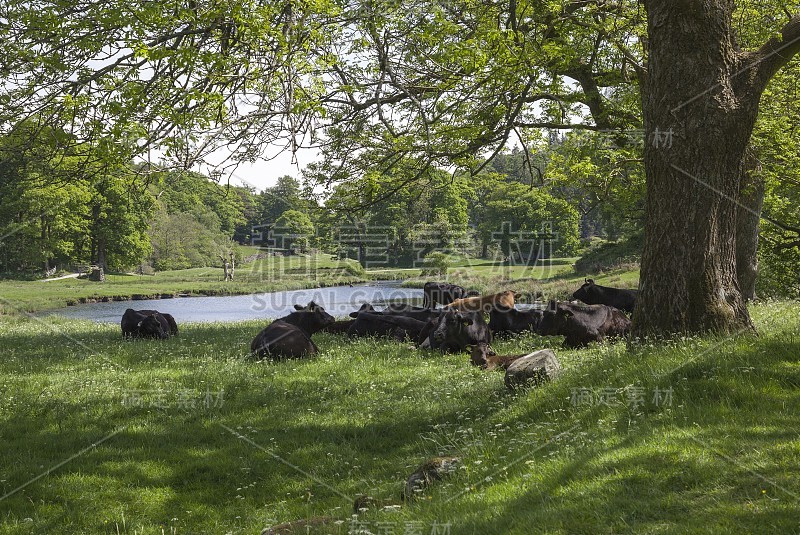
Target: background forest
<point x="582" y="188"/>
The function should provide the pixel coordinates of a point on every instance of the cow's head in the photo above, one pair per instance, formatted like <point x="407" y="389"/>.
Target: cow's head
<point x="312" y="317"/>
<point x="585" y="291"/>
<point x="450" y="324"/>
<point x="366" y="307"/>
<point x="479" y="354"/>
<point x="554" y="317"/>
<point x="152" y="327"/>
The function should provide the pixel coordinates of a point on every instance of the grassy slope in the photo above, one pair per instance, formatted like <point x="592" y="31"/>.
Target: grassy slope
<point x="722" y="457"/>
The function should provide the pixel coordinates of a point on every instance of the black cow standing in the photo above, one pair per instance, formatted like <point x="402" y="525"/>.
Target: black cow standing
<point x="582" y="324"/>
<point x="444" y="293"/>
<point x="290" y="336"/>
<point x="454" y="331"/>
<point x="147" y="324"/>
<point x="503" y="320"/>
<point x="594" y="294"/>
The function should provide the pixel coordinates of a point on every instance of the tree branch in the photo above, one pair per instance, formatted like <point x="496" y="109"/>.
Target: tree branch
<point x="777" y="52"/>
<point x="558" y="126"/>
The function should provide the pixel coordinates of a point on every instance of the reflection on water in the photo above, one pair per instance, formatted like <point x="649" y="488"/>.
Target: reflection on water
<point x="337" y="300"/>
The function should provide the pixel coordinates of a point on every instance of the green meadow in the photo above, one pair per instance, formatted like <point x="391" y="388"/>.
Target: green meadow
<point x="189" y="435"/>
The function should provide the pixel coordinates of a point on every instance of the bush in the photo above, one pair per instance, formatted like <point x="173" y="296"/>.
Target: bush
<point x="355" y="269"/>
<point x="778" y="272"/>
<point x="435" y="264"/>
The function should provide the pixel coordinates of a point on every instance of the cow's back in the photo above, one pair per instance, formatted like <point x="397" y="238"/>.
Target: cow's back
<point x="280" y="339"/>
<point x="376" y="324"/>
<point x="441" y="292"/>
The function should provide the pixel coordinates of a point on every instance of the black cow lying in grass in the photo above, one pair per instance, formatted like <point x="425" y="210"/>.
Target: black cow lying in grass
<point x="290" y="336"/>
<point x="454" y="331"/>
<point x="503" y="320"/>
<point x="173" y="326"/>
<point x="337" y="327"/>
<point x="377" y="324"/>
<point x="147" y="324"/>
<point x="421" y="314"/>
<point x="582" y="324"/>
<point x="594" y="294"/>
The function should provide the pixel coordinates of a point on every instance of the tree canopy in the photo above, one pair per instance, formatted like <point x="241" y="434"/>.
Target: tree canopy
<point x="393" y="94"/>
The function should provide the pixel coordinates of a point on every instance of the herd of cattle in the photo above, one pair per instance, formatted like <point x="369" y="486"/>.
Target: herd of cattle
<point x="459" y="325"/>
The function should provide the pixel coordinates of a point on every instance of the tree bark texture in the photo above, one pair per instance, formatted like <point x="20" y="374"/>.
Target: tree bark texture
<point x="698" y="117"/>
<point x="751" y="197"/>
<point x="700" y="99"/>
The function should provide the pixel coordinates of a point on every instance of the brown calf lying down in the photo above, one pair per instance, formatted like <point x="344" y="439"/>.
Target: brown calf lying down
<point x="487" y="359"/>
<point x="483" y="303"/>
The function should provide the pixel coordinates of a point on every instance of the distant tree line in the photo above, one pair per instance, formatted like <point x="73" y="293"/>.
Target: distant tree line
<point x="62" y="210"/>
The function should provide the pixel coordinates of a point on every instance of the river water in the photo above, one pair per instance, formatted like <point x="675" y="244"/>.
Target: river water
<point x="337" y="300"/>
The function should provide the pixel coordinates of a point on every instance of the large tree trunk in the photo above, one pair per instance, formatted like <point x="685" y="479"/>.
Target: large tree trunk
<point x="700" y="98"/>
<point x="751" y="197"/>
<point x="698" y="125"/>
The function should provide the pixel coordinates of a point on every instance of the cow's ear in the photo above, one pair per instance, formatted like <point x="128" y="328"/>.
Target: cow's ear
<point x="590" y="281"/>
<point x="298" y="307"/>
<point x="552" y="305"/>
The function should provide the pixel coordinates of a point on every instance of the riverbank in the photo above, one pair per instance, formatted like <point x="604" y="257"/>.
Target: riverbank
<point x="338" y="300"/>
<point x="264" y="275"/>
<point x="28" y="297"/>
<point x="555" y="278"/>
<point x="540" y="283"/>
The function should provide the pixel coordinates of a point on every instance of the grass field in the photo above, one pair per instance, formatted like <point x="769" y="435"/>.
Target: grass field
<point x="101" y="435"/>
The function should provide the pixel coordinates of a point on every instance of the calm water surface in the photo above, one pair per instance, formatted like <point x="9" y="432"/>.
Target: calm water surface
<point x="338" y="301"/>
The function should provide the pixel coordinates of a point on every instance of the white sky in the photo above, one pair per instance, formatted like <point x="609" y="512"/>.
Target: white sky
<point x="263" y="173"/>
